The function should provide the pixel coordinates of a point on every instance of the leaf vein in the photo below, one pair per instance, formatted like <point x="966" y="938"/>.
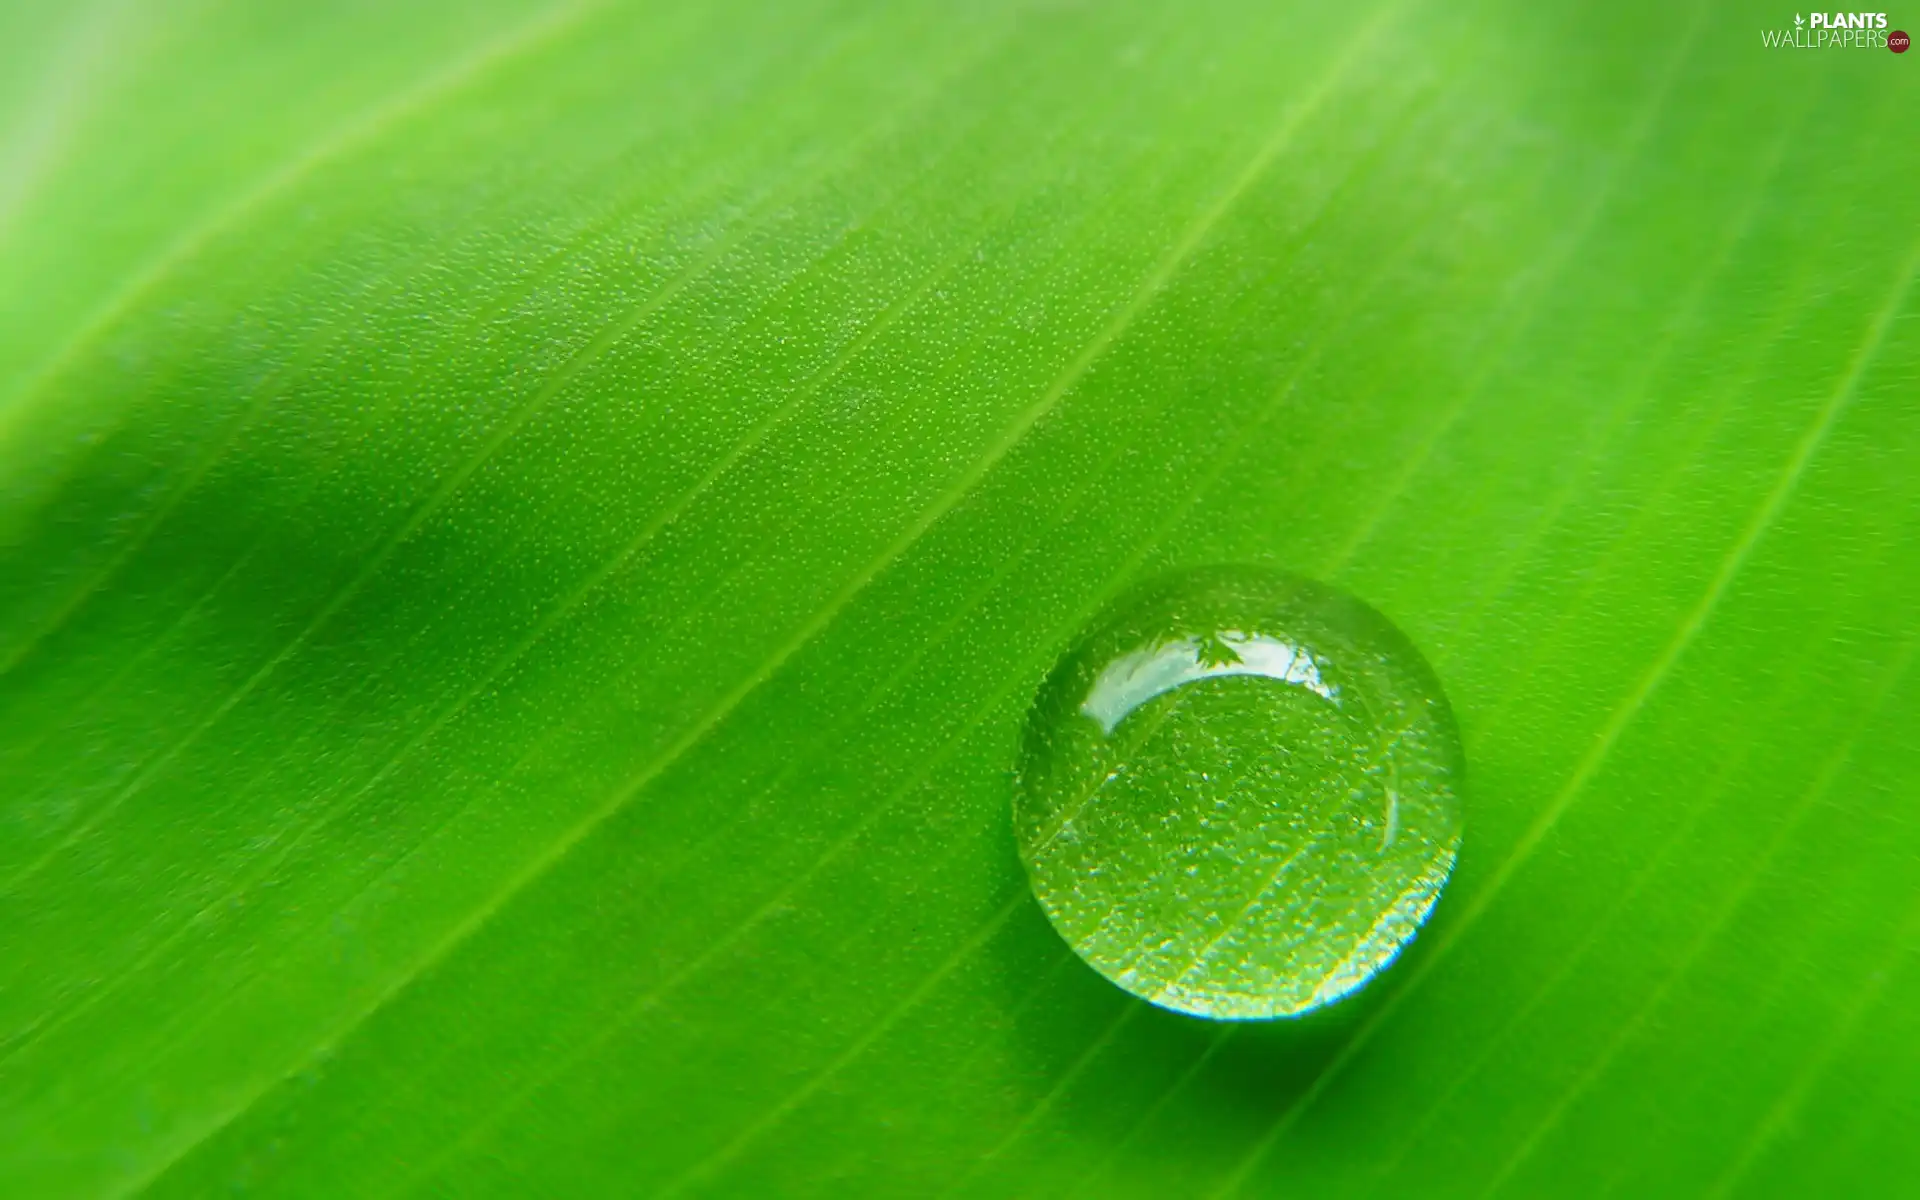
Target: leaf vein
<point x="1610" y="732"/>
<point x="1736" y="898"/>
<point x="358" y="130"/>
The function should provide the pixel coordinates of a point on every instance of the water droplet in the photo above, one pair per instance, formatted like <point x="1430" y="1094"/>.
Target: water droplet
<point x="1262" y="776"/>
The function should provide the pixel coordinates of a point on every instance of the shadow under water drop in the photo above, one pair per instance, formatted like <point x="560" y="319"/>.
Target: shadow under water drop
<point x="1163" y="1101"/>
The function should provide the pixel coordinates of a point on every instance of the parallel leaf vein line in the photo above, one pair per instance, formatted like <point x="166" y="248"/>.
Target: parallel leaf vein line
<point x="1641" y="389"/>
<point x="445" y="493"/>
<point x="957" y="493"/>
<point x="1387" y="264"/>
<point x="1696" y="813"/>
<point x="541" y="863"/>
<point x="679" y="505"/>
<point x="847" y="840"/>
<point x="1215" y="1044"/>
<point x="1129" y="1009"/>
<point x="1384" y="266"/>
<point x="262" y="394"/>
<point x="1052" y="394"/>
<point x="1220" y="466"/>
<point x="1561" y="257"/>
<point x="259" y="397"/>
<point x="717" y="950"/>
<point x="375" y="562"/>
<point x="1736" y="899"/>
<point x="841" y="845"/>
<point x="1689" y="628"/>
<point x="545" y="626"/>
<point x="713" y="1164"/>
<point x="1865" y="999"/>
<point x="1170" y="264"/>
<point x="1153" y="285"/>
<point x="135" y="660"/>
<point x="1730" y="565"/>
<point x="1155" y="282"/>
<point x="1710" y="798"/>
<point x="343" y="139"/>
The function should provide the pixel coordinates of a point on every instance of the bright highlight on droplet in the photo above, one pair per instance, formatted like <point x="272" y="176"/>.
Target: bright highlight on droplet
<point x="1238" y="795"/>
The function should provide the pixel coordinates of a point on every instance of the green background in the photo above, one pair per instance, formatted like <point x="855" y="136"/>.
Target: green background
<point x="528" y="531"/>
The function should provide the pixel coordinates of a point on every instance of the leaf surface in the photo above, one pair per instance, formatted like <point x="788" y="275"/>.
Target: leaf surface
<point x="528" y="532"/>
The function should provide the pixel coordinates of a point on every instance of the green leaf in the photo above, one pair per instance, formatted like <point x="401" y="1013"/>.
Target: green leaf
<point x="528" y="534"/>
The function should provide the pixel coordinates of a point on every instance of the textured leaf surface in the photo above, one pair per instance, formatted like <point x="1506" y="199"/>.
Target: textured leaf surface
<point x="527" y="535"/>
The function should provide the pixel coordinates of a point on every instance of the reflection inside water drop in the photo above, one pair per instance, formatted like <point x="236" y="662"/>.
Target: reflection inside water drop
<point x="1139" y="675"/>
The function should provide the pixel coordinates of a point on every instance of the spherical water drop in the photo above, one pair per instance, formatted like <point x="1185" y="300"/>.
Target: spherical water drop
<point x="1262" y="779"/>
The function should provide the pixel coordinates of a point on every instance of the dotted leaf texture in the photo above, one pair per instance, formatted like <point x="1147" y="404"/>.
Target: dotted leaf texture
<point x="528" y="532"/>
